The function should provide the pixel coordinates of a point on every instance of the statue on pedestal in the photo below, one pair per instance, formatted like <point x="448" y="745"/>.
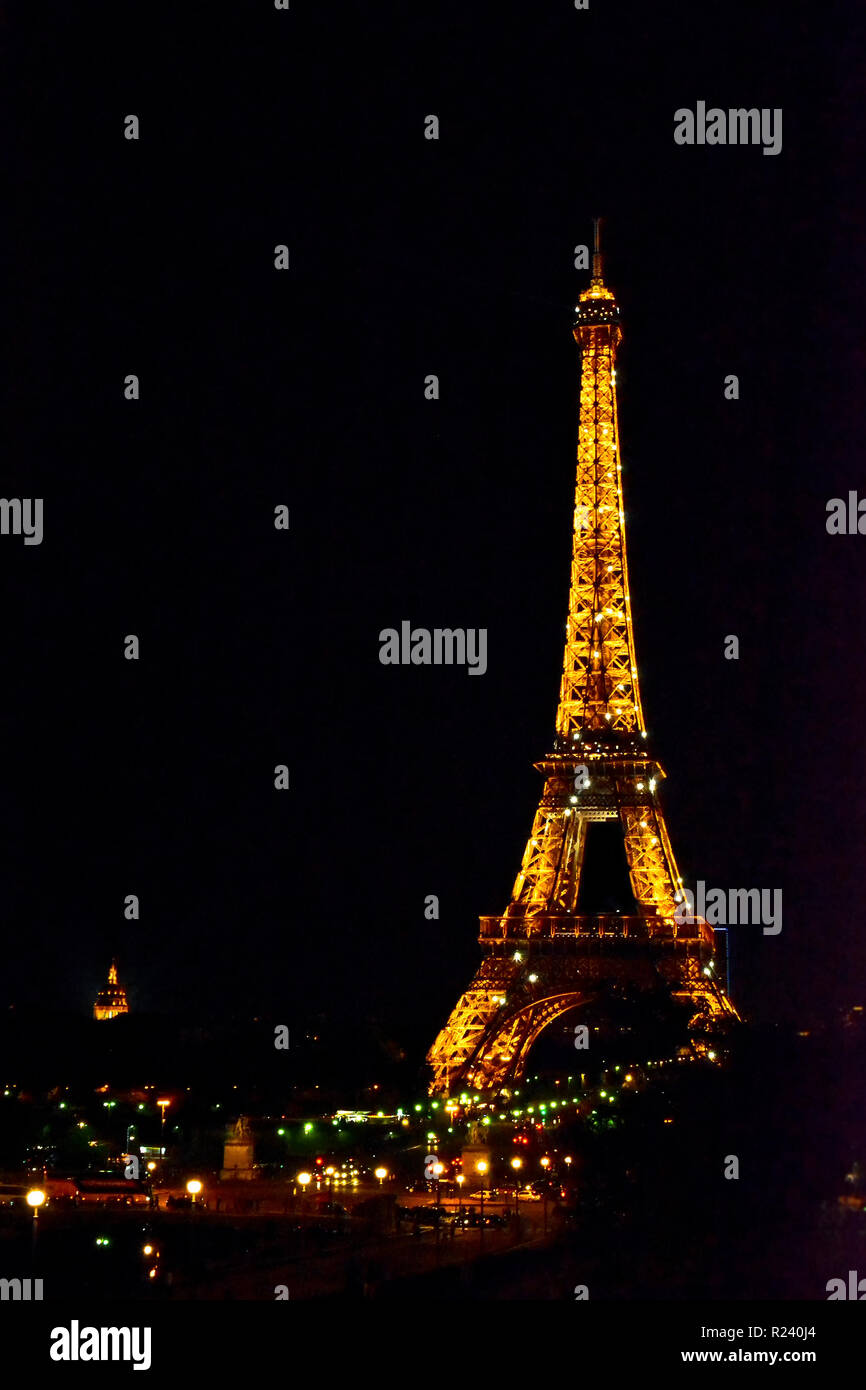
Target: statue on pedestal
<point x="239" y="1150"/>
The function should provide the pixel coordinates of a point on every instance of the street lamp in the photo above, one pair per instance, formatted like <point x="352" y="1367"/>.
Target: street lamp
<point x="460" y="1181"/>
<point x="438" y="1170"/>
<point x="163" y="1106"/>
<point x="35" y="1198"/>
<point x="481" y="1167"/>
<point x="545" y="1163"/>
<point x="304" y="1179"/>
<point x="381" y="1174"/>
<point x="193" y="1187"/>
<point x="517" y="1164"/>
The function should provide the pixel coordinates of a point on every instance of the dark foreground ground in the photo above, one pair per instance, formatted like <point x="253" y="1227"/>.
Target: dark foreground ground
<point x="651" y="1253"/>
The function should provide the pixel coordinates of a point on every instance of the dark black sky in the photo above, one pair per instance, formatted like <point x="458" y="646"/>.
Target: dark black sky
<point x="410" y="257"/>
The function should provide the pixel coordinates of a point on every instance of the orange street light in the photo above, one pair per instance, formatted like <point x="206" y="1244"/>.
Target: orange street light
<point x="482" y="1167"/>
<point x="460" y="1180"/>
<point x="35" y="1198"/>
<point x="163" y="1106"/>
<point x="517" y="1164"/>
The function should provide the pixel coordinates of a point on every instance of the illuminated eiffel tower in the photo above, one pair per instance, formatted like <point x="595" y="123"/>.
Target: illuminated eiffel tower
<point x="543" y="957"/>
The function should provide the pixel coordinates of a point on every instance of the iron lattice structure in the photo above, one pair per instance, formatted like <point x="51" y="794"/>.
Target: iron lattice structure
<point x="541" y="957"/>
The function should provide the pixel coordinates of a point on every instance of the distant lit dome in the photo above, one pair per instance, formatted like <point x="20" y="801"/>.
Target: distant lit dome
<point x="111" y="1000"/>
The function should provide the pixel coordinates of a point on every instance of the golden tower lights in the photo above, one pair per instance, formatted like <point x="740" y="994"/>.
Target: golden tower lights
<point x="542" y="957"/>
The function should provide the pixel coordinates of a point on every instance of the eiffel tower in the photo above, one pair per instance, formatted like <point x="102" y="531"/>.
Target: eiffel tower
<point x="544" y="957"/>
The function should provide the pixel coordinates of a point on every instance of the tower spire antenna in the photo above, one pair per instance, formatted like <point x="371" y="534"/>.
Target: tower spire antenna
<point x="596" y="250"/>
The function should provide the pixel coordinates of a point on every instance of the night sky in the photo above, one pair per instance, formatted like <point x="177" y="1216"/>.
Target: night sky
<point x="306" y="387"/>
